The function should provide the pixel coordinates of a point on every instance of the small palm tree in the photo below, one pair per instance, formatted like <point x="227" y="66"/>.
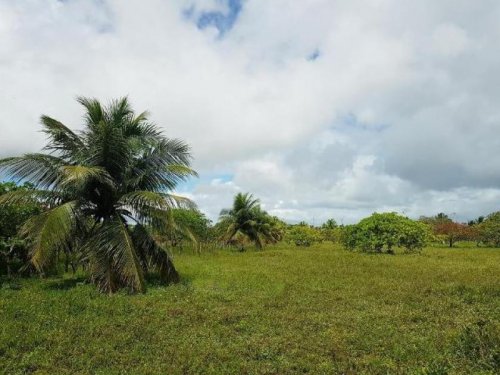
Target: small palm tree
<point x="104" y="189"/>
<point x="247" y="219"/>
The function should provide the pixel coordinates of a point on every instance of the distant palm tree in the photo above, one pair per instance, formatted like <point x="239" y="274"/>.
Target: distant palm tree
<point x="247" y="219"/>
<point x="104" y="189"/>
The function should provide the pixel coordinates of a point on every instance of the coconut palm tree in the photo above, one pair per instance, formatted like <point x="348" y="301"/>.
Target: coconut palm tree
<point x="104" y="190"/>
<point x="247" y="219"/>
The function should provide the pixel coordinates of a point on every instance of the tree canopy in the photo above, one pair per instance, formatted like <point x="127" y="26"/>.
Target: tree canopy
<point x="247" y="219"/>
<point x="385" y="231"/>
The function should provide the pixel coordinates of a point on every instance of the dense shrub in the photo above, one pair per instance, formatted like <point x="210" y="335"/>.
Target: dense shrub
<point x="303" y="235"/>
<point x="186" y="226"/>
<point x="385" y="231"/>
<point x="13" y="250"/>
<point x="489" y="230"/>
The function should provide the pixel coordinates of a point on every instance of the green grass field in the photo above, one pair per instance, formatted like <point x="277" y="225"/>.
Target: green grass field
<point x="319" y="310"/>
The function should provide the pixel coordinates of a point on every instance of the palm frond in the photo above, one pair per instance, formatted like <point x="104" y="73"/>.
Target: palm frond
<point x="80" y="175"/>
<point x="163" y="164"/>
<point x="95" y="113"/>
<point x="62" y="139"/>
<point x="41" y="170"/>
<point x="112" y="245"/>
<point x="50" y="232"/>
<point x="157" y="256"/>
<point x="151" y="203"/>
<point x="101" y="269"/>
<point x="109" y="149"/>
<point x="47" y="198"/>
<point x="119" y="112"/>
<point x="231" y="231"/>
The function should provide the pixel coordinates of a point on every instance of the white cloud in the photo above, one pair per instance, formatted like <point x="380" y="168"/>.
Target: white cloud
<point x="399" y="109"/>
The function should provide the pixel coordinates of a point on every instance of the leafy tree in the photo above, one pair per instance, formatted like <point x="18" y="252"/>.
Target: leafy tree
<point x="330" y="231"/>
<point x="479" y="220"/>
<point x="447" y="230"/>
<point x="95" y="184"/>
<point x="11" y="217"/>
<point x="329" y="224"/>
<point x="246" y="219"/>
<point x="489" y="229"/>
<point x="303" y="235"/>
<point x="385" y="230"/>
<point x="452" y="231"/>
<point x="186" y="225"/>
<point x="435" y="220"/>
<point x="13" y="251"/>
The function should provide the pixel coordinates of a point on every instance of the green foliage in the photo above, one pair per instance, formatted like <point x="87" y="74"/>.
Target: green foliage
<point x="329" y="224"/>
<point x="287" y="310"/>
<point x="246" y="219"/>
<point x="332" y="235"/>
<point x="13" y="216"/>
<point x="13" y="250"/>
<point x="385" y="231"/>
<point x="186" y="225"/>
<point x="196" y="221"/>
<point x="93" y="184"/>
<point x="489" y="230"/>
<point x="303" y="235"/>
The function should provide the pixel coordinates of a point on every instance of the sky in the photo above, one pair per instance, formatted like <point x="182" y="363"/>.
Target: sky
<point x="320" y="108"/>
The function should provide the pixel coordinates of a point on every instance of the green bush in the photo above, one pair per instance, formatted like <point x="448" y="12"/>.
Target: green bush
<point x="303" y="235"/>
<point x="13" y="250"/>
<point x="489" y="230"/>
<point x="385" y="231"/>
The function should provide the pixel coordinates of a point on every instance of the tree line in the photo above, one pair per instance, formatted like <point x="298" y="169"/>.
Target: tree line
<point x="102" y="200"/>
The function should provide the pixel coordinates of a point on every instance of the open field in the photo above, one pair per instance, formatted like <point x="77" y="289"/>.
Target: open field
<point x="283" y="310"/>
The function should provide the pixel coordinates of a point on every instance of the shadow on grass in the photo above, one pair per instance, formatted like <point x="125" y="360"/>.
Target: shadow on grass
<point x="65" y="284"/>
<point x="154" y="280"/>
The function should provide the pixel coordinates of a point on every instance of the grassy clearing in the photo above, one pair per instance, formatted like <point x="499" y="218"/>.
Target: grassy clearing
<point x="283" y="310"/>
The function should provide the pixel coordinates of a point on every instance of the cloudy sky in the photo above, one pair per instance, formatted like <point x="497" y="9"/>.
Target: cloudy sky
<point x="321" y="108"/>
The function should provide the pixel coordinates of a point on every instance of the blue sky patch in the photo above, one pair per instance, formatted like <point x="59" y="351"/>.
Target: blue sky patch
<point x="351" y="122"/>
<point x="314" y="55"/>
<point x="222" y="21"/>
<point x="204" y="179"/>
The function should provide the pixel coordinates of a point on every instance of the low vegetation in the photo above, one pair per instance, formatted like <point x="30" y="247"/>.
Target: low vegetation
<point x="285" y="310"/>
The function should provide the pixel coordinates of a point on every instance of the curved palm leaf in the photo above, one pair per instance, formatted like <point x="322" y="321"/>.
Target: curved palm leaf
<point x="48" y="198"/>
<point x="80" y="175"/>
<point x="154" y="255"/>
<point x="62" y="139"/>
<point x="50" y="232"/>
<point x="41" y="170"/>
<point x="113" y="257"/>
<point x="247" y="218"/>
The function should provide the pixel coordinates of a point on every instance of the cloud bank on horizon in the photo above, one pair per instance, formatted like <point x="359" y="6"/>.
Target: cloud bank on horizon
<point x="320" y="108"/>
